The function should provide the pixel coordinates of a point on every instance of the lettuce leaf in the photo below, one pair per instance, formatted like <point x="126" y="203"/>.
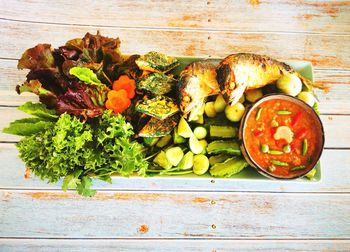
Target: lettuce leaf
<point x="60" y="76"/>
<point x="85" y="74"/>
<point x="38" y="110"/>
<point x="37" y="57"/>
<point x="27" y="126"/>
<point x="78" y="151"/>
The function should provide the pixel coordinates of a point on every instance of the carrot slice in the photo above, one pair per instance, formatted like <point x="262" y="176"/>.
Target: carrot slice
<point x="124" y="82"/>
<point x="118" y="101"/>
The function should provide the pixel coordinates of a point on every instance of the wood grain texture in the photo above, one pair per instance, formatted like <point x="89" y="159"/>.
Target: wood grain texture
<point x="174" y="214"/>
<point x="334" y="178"/>
<point x="242" y="15"/>
<point x="48" y="245"/>
<point x="121" y="214"/>
<point x="324" y="51"/>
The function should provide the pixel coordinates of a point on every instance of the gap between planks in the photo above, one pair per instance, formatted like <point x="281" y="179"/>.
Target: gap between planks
<point x="259" y="239"/>
<point x="165" y="191"/>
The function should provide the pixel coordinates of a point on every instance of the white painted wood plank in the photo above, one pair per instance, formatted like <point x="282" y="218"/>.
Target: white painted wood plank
<point x="47" y="245"/>
<point x="332" y="125"/>
<point x="47" y="214"/>
<point x="334" y="178"/>
<point x="324" y="51"/>
<point x="302" y="16"/>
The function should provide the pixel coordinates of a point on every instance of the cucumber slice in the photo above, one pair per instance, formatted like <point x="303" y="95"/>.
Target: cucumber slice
<point x="218" y="158"/>
<point x="195" y="146"/>
<point x="222" y="131"/>
<point x="187" y="161"/>
<point x="228" y="147"/>
<point x="200" y="132"/>
<point x="162" y="160"/>
<point x="184" y="129"/>
<point x="150" y="141"/>
<point x="200" y="164"/>
<point x="163" y="141"/>
<point x="174" y="155"/>
<point x="177" y="138"/>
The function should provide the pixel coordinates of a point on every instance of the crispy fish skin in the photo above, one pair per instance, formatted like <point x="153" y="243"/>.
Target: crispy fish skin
<point x="197" y="82"/>
<point x="244" y="71"/>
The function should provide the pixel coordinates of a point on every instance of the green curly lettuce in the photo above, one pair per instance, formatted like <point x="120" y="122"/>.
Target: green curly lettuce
<point x="79" y="151"/>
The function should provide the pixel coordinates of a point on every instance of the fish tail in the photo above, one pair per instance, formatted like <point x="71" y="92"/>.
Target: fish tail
<point x="311" y="85"/>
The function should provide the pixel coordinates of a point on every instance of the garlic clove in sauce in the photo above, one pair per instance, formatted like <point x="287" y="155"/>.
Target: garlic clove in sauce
<point x="284" y="132"/>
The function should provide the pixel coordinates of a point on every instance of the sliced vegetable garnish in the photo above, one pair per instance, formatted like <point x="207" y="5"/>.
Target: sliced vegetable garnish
<point x="297" y="168"/>
<point x="160" y="107"/>
<point x="305" y="147"/>
<point x="222" y="131"/>
<point x="200" y="132"/>
<point x="258" y="114"/>
<point x="229" y="147"/>
<point x="200" y="164"/>
<point x="118" y="101"/>
<point x="287" y="148"/>
<point x="258" y="133"/>
<point x="275" y="152"/>
<point x="296" y="119"/>
<point x="279" y="163"/>
<point x="283" y="112"/>
<point x="184" y="130"/>
<point x="301" y="133"/>
<point x="124" y="82"/>
<point x="174" y="155"/>
<point x="264" y="148"/>
<point x="195" y="146"/>
<point x="186" y="162"/>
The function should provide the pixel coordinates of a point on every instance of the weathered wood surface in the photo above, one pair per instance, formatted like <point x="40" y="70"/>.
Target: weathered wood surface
<point x="242" y="15"/>
<point x="178" y="215"/>
<point x="48" y="245"/>
<point x="293" y="46"/>
<point x="334" y="173"/>
<point x="171" y="212"/>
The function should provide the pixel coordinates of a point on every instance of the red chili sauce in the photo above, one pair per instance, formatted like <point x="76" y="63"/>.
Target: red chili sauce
<point x="280" y="137"/>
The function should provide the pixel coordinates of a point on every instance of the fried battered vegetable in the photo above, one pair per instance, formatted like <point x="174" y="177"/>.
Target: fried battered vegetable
<point x="156" y="62"/>
<point x="156" y="83"/>
<point x="157" y="128"/>
<point x="160" y="107"/>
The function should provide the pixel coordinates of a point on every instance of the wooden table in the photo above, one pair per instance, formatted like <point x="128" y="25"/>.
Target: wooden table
<point x="173" y="214"/>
